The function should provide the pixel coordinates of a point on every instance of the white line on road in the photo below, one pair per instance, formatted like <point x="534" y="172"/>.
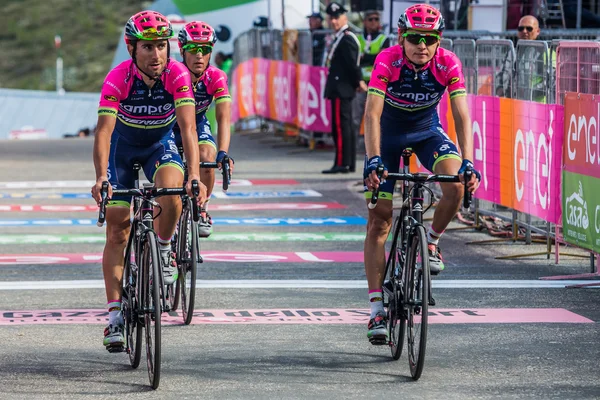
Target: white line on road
<point x="312" y="284"/>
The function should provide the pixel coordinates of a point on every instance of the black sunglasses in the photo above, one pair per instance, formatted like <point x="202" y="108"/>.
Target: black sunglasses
<point x="416" y="39"/>
<point x="522" y="28"/>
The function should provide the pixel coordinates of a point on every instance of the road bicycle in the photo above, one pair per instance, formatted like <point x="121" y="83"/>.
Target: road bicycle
<point x="144" y="296"/>
<point x="407" y="283"/>
<point x="186" y="246"/>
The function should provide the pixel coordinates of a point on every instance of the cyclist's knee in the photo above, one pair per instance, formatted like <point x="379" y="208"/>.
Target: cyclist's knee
<point x="453" y="192"/>
<point x="117" y="226"/>
<point x="380" y="219"/>
<point x="207" y="153"/>
<point x="169" y="177"/>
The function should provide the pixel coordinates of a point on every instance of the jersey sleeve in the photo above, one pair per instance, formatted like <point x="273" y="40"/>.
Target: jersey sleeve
<point x="455" y="80"/>
<point x="381" y="75"/>
<point x="218" y="87"/>
<point x="179" y="84"/>
<point x="114" y="90"/>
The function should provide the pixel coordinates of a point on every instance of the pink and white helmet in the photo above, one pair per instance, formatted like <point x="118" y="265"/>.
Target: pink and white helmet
<point x="148" y="25"/>
<point x="422" y="17"/>
<point x="197" y="32"/>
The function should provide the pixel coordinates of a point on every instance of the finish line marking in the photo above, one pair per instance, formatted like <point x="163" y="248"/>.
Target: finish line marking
<point x="304" y="316"/>
<point x="213" y="207"/>
<point x="305" y="284"/>
<point x="89" y="184"/>
<point x="218" y="195"/>
<point x="341" y="220"/>
<point x="208" y="256"/>
<point x="215" y="237"/>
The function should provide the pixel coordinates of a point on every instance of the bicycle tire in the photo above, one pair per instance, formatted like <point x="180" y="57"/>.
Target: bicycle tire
<point x="396" y="324"/>
<point x="130" y="303"/>
<point x="417" y="294"/>
<point x="152" y="306"/>
<point x="190" y="253"/>
<point x="173" y="291"/>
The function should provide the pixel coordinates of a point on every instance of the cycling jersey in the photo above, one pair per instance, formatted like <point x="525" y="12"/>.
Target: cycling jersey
<point x="211" y="85"/>
<point x="144" y="115"/>
<point x="411" y="97"/>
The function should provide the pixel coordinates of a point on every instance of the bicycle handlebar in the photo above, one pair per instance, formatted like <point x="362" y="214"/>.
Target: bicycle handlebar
<point x="424" y="178"/>
<point x="147" y="193"/>
<point x="225" y="171"/>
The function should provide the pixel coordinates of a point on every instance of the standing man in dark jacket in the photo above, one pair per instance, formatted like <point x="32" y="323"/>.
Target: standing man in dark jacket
<point x="315" y="23"/>
<point x="343" y="80"/>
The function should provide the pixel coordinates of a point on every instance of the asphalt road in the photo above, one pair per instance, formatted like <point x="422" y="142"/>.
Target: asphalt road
<point x="281" y="317"/>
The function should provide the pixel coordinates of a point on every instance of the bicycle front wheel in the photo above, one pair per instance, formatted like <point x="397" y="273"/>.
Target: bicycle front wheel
<point x="189" y="249"/>
<point x="130" y="304"/>
<point x="417" y="299"/>
<point x="152" y="305"/>
<point x="395" y="311"/>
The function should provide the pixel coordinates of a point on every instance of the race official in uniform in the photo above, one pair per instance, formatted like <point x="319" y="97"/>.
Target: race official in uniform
<point x="343" y="81"/>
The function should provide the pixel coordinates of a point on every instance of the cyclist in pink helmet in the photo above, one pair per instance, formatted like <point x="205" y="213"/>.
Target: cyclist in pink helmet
<point x="140" y="101"/>
<point x="407" y="83"/>
<point x="196" y="42"/>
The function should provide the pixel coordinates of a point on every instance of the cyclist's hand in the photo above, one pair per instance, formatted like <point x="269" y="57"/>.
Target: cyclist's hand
<point x="97" y="190"/>
<point x="220" y="156"/>
<point x="475" y="178"/>
<point x="372" y="181"/>
<point x="188" y="187"/>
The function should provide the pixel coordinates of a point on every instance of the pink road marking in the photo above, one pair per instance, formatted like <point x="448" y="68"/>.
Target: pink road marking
<point x="213" y="207"/>
<point x="273" y="182"/>
<point x="209" y="256"/>
<point x="304" y="316"/>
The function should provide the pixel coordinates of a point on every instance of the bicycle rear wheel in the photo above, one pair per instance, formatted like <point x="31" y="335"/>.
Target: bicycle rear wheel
<point x="189" y="249"/>
<point x="417" y="299"/>
<point x="152" y="305"/>
<point x="130" y="304"/>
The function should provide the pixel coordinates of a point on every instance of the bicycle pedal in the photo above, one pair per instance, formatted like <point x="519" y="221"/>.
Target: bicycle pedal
<point x="379" y="340"/>
<point x="116" y="348"/>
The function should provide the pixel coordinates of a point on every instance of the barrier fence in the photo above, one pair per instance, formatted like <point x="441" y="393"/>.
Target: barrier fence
<point x="521" y="134"/>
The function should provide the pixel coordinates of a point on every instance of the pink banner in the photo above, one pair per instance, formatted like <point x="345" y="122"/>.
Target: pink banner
<point x="314" y="111"/>
<point x="261" y="97"/>
<point x="283" y="94"/>
<point x="538" y="139"/>
<point x="485" y="116"/>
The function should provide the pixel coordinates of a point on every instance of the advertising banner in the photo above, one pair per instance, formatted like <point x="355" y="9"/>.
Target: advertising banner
<point x="581" y="173"/>
<point x="314" y="112"/>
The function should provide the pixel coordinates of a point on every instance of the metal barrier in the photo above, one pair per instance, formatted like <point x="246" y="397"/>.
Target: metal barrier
<point x="533" y="71"/>
<point x="466" y="53"/>
<point x="577" y="68"/>
<point x="446" y="43"/>
<point x="495" y="60"/>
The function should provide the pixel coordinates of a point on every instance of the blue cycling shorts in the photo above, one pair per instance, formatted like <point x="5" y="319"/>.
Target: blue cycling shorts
<point x="204" y="134"/>
<point x="152" y="158"/>
<point x="430" y="145"/>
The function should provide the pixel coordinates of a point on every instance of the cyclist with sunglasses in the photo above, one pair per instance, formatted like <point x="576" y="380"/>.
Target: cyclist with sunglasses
<point x="140" y="101"/>
<point x="196" y="42"/>
<point x="407" y="84"/>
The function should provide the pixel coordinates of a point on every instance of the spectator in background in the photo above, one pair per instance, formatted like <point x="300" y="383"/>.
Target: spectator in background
<point x="372" y="41"/>
<point x="343" y="80"/>
<point x="315" y="24"/>
<point x="532" y="82"/>
<point x="223" y="61"/>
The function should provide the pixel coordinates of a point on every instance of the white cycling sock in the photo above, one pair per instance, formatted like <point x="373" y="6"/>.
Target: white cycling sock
<point x="376" y="302"/>
<point x="433" y="237"/>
